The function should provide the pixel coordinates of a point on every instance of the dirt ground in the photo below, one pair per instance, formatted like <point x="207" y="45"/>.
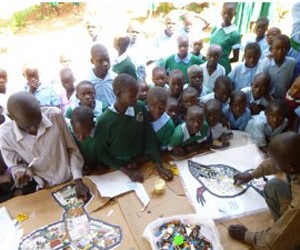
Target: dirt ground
<point x="43" y="41"/>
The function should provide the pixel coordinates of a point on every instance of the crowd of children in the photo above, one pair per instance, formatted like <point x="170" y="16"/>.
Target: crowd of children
<point x="191" y="98"/>
<point x="115" y="118"/>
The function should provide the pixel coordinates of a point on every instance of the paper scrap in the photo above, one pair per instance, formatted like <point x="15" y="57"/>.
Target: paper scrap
<point x="10" y="235"/>
<point x="116" y="183"/>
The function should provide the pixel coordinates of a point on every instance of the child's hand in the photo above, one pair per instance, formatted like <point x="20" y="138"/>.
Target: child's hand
<point x="82" y="191"/>
<point x="255" y="109"/>
<point x="134" y="174"/>
<point x="163" y="172"/>
<point x="237" y="232"/>
<point x="178" y="151"/>
<point x="22" y="178"/>
<point x="242" y="178"/>
<point x="132" y="165"/>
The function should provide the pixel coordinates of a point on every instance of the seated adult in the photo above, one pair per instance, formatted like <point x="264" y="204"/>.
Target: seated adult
<point x="41" y="133"/>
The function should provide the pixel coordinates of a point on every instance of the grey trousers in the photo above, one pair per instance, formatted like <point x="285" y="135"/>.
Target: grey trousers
<point x="278" y="197"/>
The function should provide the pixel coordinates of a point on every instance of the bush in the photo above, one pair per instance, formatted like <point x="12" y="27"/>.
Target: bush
<point x="19" y="19"/>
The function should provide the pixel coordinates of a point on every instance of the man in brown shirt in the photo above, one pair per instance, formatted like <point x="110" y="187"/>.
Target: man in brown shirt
<point x="283" y="198"/>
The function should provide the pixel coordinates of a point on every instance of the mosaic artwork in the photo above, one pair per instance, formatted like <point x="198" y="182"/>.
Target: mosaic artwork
<point x="76" y="230"/>
<point x="209" y="184"/>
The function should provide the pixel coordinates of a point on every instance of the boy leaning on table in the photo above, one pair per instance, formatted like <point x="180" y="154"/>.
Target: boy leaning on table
<point x="35" y="132"/>
<point x="283" y="198"/>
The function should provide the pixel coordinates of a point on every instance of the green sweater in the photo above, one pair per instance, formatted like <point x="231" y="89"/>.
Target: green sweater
<point x="121" y="138"/>
<point x="181" y="137"/>
<point x="170" y="63"/>
<point x="125" y="66"/>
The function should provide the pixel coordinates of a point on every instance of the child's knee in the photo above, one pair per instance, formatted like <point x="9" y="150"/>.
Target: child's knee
<point x="277" y="187"/>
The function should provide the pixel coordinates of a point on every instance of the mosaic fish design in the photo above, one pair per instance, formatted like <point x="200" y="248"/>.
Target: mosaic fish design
<point x="217" y="179"/>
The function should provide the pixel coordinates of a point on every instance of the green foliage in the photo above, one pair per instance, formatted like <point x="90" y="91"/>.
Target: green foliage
<point x="197" y="7"/>
<point x="19" y="18"/>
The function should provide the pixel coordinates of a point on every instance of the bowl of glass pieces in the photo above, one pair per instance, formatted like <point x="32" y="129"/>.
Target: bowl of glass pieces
<point x="186" y="232"/>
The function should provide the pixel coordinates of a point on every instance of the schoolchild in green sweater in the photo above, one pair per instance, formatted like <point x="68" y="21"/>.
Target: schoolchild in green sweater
<point x="83" y="131"/>
<point x="124" y="137"/>
<point x="181" y="60"/>
<point x="176" y="83"/>
<point x="191" y="135"/>
<point x="123" y="63"/>
<point x="161" y="122"/>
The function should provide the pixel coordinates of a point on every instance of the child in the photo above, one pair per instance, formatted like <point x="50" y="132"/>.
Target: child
<point x="172" y="109"/>
<point x="191" y="135"/>
<point x="83" y="131"/>
<point x="222" y="92"/>
<point x="272" y="32"/>
<point x="268" y="124"/>
<point x="279" y="67"/>
<point x="44" y="94"/>
<point x="3" y="81"/>
<point x="85" y="93"/>
<point x="212" y="69"/>
<point x="43" y="134"/>
<point x="262" y="25"/>
<point x="68" y="96"/>
<point x="258" y="94"/>
<point x="189" y="97"/>
<point x="123" y="63"/>
<point x="213" y="114"/>
<point x="293" y="101"/>
<point x="124" y="137"/>
<point x="176" y="83"/>
<point x="159" y="78"/>
<point x="143" y="90"/>
<point x="195" y="75"/>
<point x="281" y="196"/>
<point x="165" y="41"/>
<point x="238" y="114"/>
<point x="100" y="75"/>
<point x="197" y="45"/>
<point x="183" y="59"/>
<point x="227" y="37"/>
<point x="162" y="124"/>
<point x="242" y="75"/>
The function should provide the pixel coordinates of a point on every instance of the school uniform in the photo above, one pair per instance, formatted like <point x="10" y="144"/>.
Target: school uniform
<point x="97" y="111"/>
<point x="261" y="131"/>
<point x="205" y="98"/>
<point x="217" y="131"/>
<point x="87" y="149"/>
<point x="209" y="80"/>
<point x="182" y="137"/>
<point x="263" y="44"/>
<point x="281" y="77"/>
<point x="65" y="103"/>
<point x="103" y="87"/>
<point x="239" y="123"/>
<point x="242" y="76"/>
<point x="120" y="138"/>
<point x="228" y="38"/>
<point x="45" y="95"/>
<point x="123" y="64"/>
<point x="152" y="85"/>
<point x="250" y="98"/>
<point x="163" y="128"/>
<point x="174" y="62"/>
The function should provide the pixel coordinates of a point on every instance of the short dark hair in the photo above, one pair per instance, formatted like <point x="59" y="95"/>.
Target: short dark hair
<point x="284" y="39"/>
<point x="158" y="93"/>
<point x="82" y="115"/>
<point x="122" y="81"/>
<point x="263" y="19"/>
<point x="85" y="82"/>
<point x="225" y="80"/>
<point x="254" y="47"/>
<point x="279" y="104"/>
<point x="157" y="69"/>
<point x="238" y="94"/>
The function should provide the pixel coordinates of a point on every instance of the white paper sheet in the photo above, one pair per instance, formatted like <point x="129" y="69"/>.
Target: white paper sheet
<point x="10" y="235"/>
<point x="221" y="199"/>
<point x="116" y="183"/>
